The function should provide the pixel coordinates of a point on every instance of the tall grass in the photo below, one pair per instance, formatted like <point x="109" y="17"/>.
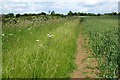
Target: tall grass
<point x="103" y="39"/>
<point x="0" y="47"/>
<point x="33" y="49"/>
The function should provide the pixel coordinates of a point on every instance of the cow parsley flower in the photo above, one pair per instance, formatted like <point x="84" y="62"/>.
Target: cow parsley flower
<point x="50" y="35"/>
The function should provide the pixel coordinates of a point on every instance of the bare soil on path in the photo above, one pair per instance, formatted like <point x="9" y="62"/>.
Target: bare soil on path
<point x="86" y="64"/>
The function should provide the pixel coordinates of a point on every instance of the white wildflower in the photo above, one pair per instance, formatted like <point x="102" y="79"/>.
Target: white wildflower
<point x="29" y="28"/>
<point x="19" y="30"/>
<point x="37" y="40"/>
<point x="18" y="21"/>
<point x="10" y="34"/>
<point x="3" y="34"/>
<point x="50" y="35"/>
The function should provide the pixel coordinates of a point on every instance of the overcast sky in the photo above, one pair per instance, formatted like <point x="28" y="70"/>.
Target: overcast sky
<point x="60" y="6"/>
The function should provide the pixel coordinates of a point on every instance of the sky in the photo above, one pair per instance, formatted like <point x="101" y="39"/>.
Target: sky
<point x="59" y="6"/>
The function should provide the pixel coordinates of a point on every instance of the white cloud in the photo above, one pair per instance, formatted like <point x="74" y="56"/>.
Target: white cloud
<point x="20" y="5"/>
<point x="18" y="9"/>
<point x="61" y="6"/>
<point x="86" y="1"/>
<point x="104" y="8"/>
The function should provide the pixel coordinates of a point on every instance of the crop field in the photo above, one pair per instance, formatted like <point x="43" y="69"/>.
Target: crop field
<point x="42" y="47"/>
<point x="103" y="39"/>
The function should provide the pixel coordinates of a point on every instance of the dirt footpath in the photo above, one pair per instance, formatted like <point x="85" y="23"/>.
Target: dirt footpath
<point x="86" y="64"/>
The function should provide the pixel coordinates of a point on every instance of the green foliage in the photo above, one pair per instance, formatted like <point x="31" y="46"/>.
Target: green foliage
<point x="18" y="15"/>
<point x="111" y="14"/>
<point x="0" y="51"/>
<point x="10" y="15"/>
<point x="70" y="13"/>
<point x="44" y="46"/>
<point x="43" y="13"/>
<point x="34" y="49"/>
<point x="98" y="14"/>
<point x="102" y="33"/>
<point x="53" y="13"/>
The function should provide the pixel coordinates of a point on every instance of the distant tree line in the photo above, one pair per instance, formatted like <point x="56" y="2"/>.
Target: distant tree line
<point x="70" y="13"/>
<point x="113" y="13"/>
<point x="52" y="13"/>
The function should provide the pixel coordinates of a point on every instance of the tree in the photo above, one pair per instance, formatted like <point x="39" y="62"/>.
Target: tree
<point x="9" y="15"/>
<point x="31" y="14"/>
<point x="82" y="14"/>
<point x="75" y="13"/>
<point x="49" y="12"/>
<point x="43" y="13"/>
<point x="70" y="13"/>
<point x="98" y="14"/>
<point x="25" y="14"/>
<point x="53" y="13"/>
<point x="78" y="13"/>
<point x="89" y="14"/>
<point x="114" y="13"/>
<point x="18" y="15"/>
